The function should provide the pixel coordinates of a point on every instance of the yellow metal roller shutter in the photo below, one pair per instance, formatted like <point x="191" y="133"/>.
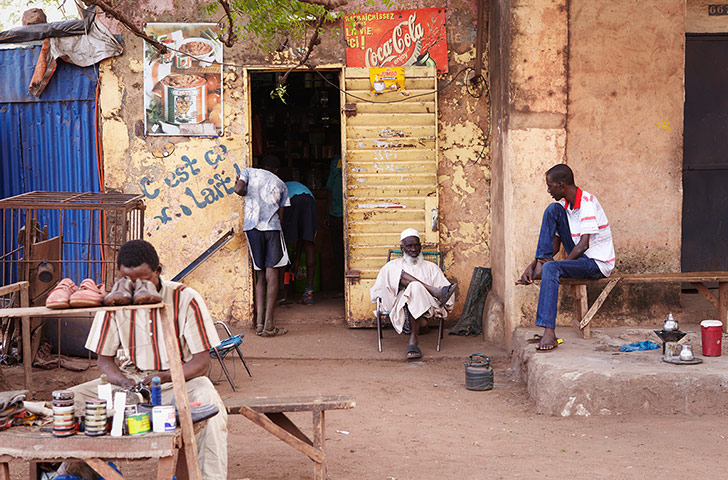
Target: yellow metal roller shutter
<point x="390" y="176"/>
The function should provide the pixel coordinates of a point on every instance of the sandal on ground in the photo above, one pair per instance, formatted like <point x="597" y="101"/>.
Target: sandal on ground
<point x="276" y="332"/>
<point x="537" y="339"/>
<point x="447" y="292"/>
<point x="546" y="348"/>
<point x="413" y="352"/>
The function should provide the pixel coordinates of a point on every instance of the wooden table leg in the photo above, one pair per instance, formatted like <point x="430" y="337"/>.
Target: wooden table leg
<point x="4" y="471"/>
<point x="165" y="468"/>
<point x="319" y="438"/>
<point x="103" y="468"/>
<point x="180" y="393"/>
<point x="582" y="306"/>
<point x="25" y="334"/>
<point x="723" y="310"/>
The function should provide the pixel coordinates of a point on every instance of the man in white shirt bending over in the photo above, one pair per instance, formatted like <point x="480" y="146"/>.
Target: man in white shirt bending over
<point x="579" y="223"/>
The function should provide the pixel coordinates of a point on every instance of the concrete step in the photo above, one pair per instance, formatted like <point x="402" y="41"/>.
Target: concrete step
<point x="592" y="377"/>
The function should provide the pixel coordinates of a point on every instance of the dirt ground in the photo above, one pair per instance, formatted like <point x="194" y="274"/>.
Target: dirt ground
<point x="417" y="421"/>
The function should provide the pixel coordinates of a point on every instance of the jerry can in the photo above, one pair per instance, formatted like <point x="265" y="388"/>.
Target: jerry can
<point x="478" y="374"/>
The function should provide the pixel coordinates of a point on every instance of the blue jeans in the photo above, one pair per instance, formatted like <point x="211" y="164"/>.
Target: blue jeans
<point x="555" y="220"/>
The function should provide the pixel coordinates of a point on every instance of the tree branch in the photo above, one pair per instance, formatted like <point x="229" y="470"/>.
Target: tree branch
<point x="315" y="40"/>
<point x="327" y="4"/>
<point x="112" y="12"/>
<point x="230" y="40"/>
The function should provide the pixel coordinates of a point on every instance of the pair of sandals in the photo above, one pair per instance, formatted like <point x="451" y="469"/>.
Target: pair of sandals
<point x="276" y="332"/>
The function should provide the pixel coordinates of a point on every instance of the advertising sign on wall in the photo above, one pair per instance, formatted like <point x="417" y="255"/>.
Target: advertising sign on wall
<point x="183" y="87"/>
<point x="397" y="39"/>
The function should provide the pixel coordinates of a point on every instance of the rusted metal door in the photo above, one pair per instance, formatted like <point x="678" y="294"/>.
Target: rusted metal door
<point x="705" y="157"/>
<point x="390" y="176"/>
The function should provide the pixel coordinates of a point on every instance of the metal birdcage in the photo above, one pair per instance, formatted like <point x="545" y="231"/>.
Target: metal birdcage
<point x="47" y="236"/>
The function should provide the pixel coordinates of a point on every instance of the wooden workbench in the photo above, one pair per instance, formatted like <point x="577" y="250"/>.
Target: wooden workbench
<point x="31" y="446"/>
<point x="270" y="414"/>
<point x="175" y="368"/>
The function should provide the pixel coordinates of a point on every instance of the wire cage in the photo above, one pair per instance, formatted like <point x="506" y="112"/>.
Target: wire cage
<point x="47" y="236"/>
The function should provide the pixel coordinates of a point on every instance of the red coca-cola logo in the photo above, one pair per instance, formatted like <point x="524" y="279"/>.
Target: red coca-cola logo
<point x="399" y="46"/>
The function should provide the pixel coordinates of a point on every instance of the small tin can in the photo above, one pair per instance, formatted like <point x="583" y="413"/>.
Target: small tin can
<point x="138" y="424"/>
<point x="164" y="418"/>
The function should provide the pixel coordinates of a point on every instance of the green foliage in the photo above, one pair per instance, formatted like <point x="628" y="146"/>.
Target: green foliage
<point x="279" y="92"/>
<point x="272" y="22"/>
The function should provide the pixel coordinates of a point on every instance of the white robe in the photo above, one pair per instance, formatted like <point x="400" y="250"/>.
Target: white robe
<point x="415" y="296"/>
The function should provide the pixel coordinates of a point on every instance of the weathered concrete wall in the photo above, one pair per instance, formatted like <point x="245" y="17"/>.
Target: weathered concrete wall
<point x="625" y="123"/>
<point x="187" y="213"/>
<point x="698" y="20"/>
<point x="598" y="86"/>
<point x="534" y="140"/>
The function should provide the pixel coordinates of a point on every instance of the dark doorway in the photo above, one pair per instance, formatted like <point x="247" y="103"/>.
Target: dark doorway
<point x="705" y="154"/>
<point x="303" y="130"/>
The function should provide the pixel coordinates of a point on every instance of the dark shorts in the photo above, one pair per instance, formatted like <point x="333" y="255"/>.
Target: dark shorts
<point x="267" y="248"/>
<point x="300" y="220"/>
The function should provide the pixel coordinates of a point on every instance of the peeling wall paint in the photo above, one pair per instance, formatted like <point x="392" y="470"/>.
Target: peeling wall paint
<point x="188" y="203"/>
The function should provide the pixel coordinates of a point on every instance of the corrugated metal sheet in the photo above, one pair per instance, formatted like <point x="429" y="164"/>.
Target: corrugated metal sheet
<point x="49" y="144"/>
<point x="69" y="82"/>
<point x="390" y="167"/>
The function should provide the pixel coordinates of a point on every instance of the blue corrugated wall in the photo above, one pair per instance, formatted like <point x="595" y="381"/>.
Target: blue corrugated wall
<point x="49" y="144"/>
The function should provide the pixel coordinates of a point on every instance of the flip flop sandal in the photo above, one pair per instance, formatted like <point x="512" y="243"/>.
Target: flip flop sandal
<point x="546" y="350"/>
<point x="413" y="352"/>
<point x="273" y="333"/>
<point x="449" y="293"/>
<point x="537" y="338"/>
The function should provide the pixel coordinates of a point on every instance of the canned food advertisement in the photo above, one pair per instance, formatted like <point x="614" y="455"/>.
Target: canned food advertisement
<point x="183" y="87"/>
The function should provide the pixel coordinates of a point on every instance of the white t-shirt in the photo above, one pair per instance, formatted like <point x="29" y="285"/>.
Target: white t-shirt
<point x="586" y="216"/>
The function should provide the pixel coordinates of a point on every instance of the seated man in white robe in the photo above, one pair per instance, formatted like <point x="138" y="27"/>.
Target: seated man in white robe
<point x="412" y="290"/>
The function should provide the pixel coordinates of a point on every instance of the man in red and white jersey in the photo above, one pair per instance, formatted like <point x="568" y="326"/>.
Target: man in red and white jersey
<point x="579" y="223"/>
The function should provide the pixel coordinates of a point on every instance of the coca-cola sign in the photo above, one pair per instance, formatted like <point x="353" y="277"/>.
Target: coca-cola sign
<point x="396" y="39"/>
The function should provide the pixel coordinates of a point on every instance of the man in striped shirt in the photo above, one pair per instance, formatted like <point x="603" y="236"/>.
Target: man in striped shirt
<point x="134" y="339"/>
<point x="579" y="223"/>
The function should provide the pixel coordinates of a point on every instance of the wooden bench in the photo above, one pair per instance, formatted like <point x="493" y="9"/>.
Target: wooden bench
<point x="32" y="446"/>
<point x="585" y="313"/>
<point x="270" y="414"/>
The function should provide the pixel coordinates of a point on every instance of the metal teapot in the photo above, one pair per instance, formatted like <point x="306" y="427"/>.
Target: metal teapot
<point x="478" y="374"/>
<point x="670" y="324"/>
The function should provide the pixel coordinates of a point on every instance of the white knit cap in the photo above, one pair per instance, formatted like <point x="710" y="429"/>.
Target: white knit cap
<point x="408" y="232"/>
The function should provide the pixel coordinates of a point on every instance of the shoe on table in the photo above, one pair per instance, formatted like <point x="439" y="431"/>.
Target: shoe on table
<point x="61" y="294"/>
<point x="89" y="294"/>
<point x="121" y="293"/>
<point x="145" y="293"/>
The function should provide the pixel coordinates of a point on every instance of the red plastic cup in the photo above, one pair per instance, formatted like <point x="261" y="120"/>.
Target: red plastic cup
<point x="712" y="336"/>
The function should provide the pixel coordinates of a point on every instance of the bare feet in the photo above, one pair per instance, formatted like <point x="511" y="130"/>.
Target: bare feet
<point x="548" y="340"/>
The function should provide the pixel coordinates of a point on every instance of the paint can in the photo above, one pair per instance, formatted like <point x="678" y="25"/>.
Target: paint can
<point x="164" y="418"/>
<point x="138" y="424"/>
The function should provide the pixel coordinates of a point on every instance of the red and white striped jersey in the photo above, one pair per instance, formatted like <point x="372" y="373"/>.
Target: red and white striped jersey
<point x="587" y="216"/>
<point x="139" y="332"/>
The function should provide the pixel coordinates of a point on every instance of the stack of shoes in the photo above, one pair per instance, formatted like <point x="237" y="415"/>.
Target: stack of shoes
<point x="11" y="404"/>
<point x="126" y="292"/>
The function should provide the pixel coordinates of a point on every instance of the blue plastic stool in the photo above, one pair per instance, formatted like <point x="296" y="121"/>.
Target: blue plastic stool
<point x="227" y="345"/>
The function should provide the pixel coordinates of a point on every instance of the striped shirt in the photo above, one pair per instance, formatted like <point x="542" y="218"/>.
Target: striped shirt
<point x="139" y="332"/>
<point x="586" y="216"/>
